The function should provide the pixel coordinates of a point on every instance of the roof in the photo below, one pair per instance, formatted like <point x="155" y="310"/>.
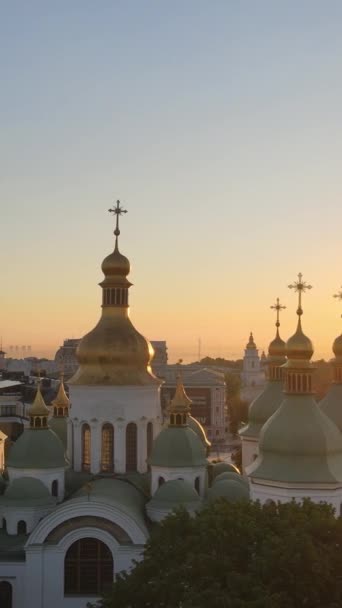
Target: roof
<point x="229" y="489"/>
<point x="193" y="376"/>
<point x="331" y="405"/>
<point x="299" y="444"/>
<point x="178" y="446"/>
<point x="262" y="408"/>
<point x="27" y="491"/>
<point x="174" y="493"/>
<point x="59" y="426"/>
<point x="8" y="384"/>
<point x="37" y="449"/>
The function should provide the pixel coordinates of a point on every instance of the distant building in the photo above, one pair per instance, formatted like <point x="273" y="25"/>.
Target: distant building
<point x="207" y="390"/>
<point x="253" y="374"/>
<point x="160" y="354"/>
<point x="65" y="357"/>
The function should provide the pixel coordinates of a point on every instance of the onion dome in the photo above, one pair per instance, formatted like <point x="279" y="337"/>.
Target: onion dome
<point x="33" y="450"/>
<point x="277" y="347"/>
<point x="223" y="467"/>
<point x="170" y="496"/>
<point x="337" y="347"/>
<point x="61" y="403"/>
<point x="298" y="444"/>
<point x="231" y="490"/>
<point x="251" y="344"/>
<point x="114" y="352"/>
<point x="38" y="412"/>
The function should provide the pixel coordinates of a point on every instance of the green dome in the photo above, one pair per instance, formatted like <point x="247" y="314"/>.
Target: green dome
<point x="175" y="492"/>
<point x="178" y="446"/>
<point x="223" y="467"/>
<point x="299" y="444"/>
<point x="199" y="430"/>
<point x="331" y="405"/>
<point x="229" y="489"/>
<point x="59" y="426"/>
<point x="27" y="490"/>
<point x="262" y="408"/>
<point x="234" y="476"/>
<point x="37" y="449"/>
<point x="124" y="494"/>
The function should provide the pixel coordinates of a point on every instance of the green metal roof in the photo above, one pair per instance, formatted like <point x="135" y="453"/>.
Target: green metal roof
<point x="234" y="476"/>
<point x="331" y="405"/>
<point x="26" y="491"/>
<point x="299" y="444"/>
<point x="223" y="467"/>
<point x="59" y="426"/>
<point x="174" y="493"/>
<point x="178" y="447"/>
<point x="37" y="449"/>
<point x="262" y="408"/>
<point x="229" y="489"/>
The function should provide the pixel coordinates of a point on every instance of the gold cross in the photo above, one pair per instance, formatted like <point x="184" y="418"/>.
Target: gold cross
<point x="278" y="307"/>
<point x="117" y="212"/>
<point x="300" y="287"/>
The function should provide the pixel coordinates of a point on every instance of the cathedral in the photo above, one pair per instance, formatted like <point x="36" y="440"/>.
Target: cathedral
<point x="86" y="482"/>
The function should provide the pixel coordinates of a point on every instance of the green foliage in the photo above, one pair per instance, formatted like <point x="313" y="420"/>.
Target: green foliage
<point x="238" y="555"/>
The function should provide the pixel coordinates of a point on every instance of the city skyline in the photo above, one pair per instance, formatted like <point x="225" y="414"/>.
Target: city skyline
<point x="221" y="145"/>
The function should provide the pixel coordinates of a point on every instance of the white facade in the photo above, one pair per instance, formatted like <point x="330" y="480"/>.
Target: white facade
<point x="250" y="451"/>
<point x="46" y="476"/>
<point x="330" y="493"/>
<point x="119" y="406"/>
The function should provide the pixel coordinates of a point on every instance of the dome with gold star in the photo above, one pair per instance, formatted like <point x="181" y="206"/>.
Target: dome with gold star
<point x="114" y="352"/>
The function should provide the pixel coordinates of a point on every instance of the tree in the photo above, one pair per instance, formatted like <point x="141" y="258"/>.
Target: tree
<point x="238" y="555"/>
<point x="237" y="409"/>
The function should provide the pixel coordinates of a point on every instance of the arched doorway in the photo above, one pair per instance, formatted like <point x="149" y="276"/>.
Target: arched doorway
<point x="88" y="568"/>
<point x="6" y="594"/>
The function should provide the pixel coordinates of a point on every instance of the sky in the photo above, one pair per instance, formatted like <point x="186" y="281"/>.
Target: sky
<point x="216" y="123"/>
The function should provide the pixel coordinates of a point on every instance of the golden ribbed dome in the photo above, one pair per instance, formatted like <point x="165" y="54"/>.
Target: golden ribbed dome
<point x="115" y="264"/>
<point x="337" y="347"/>
<point x="38" y="407"/>
<point x="299" y="346"/>
<point x="277" y="347"/>
<point x="61" y="399"/>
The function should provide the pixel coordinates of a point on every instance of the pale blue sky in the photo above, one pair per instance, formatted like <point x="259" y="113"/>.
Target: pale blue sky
<point x="218" y="124"/>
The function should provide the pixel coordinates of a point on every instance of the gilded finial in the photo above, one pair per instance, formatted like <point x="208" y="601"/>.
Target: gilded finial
<point x="278" y="308"/>
<point x="118" y="210"/>
<point x="300" y="287"/>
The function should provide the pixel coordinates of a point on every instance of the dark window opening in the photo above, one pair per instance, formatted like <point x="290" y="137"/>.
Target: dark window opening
<point x="88" y="568"/>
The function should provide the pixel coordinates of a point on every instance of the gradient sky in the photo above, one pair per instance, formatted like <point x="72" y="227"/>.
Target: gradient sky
<point x="217" y="123"/>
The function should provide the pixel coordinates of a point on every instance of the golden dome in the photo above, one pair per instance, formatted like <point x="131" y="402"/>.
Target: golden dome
<point x="114" y="352"/>
<point x="180" y="401"/>
<point x="277" y="347"/>
<point x="61" y="399"/>
<point x="251" y="343"/>
<point x="38" y="407"/>
<point x="115" y="264"/>
<point x="299" y="346"/>
<point x="337" y="347"/>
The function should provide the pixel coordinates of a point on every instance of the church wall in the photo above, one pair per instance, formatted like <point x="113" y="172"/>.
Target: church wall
<point x="14" y="573"/>
<point x="97" y="405"/>
<point x="186" y="473"/>
<point x="250" y="449"/>
<point x="46" y="476"/>
<point x="284" y="494"/>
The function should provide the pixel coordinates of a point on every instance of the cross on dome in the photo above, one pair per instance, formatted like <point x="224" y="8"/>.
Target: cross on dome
<point x="338" y="295"/>
<point x="278" y="308"/>
<point x="300" y="287"/>
<point x="118" y="210"/>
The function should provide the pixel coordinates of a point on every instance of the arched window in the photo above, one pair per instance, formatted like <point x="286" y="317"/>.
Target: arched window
<point x="88" y="568"/>
<point x="5" y="594"/>
<point x="131" y="447"/>
<point x="149" y="438"/>
<point x="161" y="480"/>
<point x="197" y="485"/>
<point x="107" y="448"/>
<point x="178" y="419"/>
<point x="38" y="422"/>
<point x="54" y="488"/>
<point x="86" y="441"/>
<point x="4" y="524"/>
<point x="60" y="411"/>
<point x="21" y="528"/>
